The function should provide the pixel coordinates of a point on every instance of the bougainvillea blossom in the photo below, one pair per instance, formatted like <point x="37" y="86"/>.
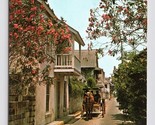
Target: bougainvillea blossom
<point x="31" y="31"/>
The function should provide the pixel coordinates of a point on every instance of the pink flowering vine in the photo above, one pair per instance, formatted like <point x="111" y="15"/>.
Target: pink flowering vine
<point x="30" y="32"/>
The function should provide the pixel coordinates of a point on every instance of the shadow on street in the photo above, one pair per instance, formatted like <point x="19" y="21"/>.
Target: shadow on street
<point x="93" y="115"/>
<point x="124" y="118"/>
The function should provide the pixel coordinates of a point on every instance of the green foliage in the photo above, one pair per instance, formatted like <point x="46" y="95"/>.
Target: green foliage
<point x="130" y="84"/>
<point x="91" y="82"/>
<point x="76" y="87"/>
<point x="87" y="72"/>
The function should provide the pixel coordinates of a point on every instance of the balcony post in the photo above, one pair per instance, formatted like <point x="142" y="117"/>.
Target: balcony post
<point x="80" y="52"/>
<point x="73" y="53"/>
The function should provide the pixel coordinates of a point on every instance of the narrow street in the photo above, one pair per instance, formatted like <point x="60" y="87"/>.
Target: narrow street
<point x="113" y="116"/>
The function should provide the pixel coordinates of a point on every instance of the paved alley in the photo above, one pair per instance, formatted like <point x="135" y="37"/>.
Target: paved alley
<point x="113" y="116"/>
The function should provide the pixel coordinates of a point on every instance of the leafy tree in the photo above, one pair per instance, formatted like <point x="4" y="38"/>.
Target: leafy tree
<point x="137" y="88"/>
<point x="31" y="34"/>
<point x="120" y="79"/>
<point x="76" y="87"/>
<point x="123" y="22"/>
<point x="91" y="82"/>
<point x="87" y="72"/>
<point x="130" y="84"/>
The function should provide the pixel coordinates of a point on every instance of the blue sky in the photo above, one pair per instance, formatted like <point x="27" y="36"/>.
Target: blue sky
<point x="76" y="13"/>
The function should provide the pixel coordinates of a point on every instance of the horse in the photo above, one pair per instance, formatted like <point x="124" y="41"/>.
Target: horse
<point x="88" y="105"/>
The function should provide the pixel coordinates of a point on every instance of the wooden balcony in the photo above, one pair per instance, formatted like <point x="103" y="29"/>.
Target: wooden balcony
<point x="67" y="64"/>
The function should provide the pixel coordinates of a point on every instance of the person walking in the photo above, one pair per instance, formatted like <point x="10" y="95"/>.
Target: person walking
<point x="102" y="101"/>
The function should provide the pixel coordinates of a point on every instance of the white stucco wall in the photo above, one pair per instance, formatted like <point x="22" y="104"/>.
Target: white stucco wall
<point x="52" y="102"/>
<point x="40" y="105"/>
<point x="59" y="96"/>
<point x="56" y="102"/>
<point x="60" y="88"/>
<point x="43" y="117"/>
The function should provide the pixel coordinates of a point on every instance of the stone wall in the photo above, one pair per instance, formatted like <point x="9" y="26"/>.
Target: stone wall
<point x="21" y="110"/>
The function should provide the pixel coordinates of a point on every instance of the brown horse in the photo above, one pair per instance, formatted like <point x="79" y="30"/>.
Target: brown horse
<point x="88" y="105"/>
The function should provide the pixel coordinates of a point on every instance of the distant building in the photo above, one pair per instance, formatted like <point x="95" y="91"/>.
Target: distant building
<point x="90" y="68"/>
<point x="89" y="63"/>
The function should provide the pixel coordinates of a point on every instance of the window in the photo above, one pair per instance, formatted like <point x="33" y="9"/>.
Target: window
<point x="47" y="97"/>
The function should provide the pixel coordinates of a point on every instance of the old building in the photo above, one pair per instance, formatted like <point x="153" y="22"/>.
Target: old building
<point x="90" y="68"/>
<point x="52" y="100"/>
<point x="49" y="100"/>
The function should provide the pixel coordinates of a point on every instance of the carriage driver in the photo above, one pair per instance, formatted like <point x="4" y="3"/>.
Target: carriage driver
<point x="97" y="97"/>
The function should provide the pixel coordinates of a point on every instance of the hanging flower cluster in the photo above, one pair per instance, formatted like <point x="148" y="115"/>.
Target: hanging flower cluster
<point x="31" y="31"/>
<point x="121" y="22"/>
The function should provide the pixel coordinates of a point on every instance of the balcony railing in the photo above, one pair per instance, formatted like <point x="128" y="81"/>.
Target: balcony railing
<point x="67" y="62"/>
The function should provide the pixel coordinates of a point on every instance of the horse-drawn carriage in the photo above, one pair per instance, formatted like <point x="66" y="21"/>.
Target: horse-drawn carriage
<point x="93" y="103"/>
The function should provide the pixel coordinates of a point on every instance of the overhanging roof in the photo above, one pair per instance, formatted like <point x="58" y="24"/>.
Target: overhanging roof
<point x="74" y="32"/>
<point x="77" y="36"/>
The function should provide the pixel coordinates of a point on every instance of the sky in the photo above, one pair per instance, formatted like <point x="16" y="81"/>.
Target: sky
<point x="76" y="14"/>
